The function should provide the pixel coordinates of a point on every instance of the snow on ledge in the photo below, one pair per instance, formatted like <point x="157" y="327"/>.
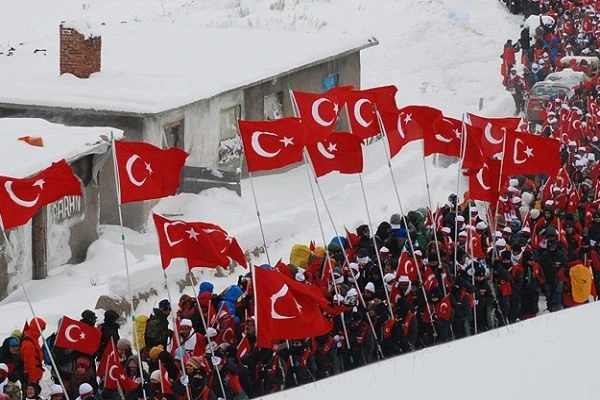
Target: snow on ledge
<point x="85" y="26"/>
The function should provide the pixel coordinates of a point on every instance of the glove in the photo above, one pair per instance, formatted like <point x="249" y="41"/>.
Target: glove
<point x="184" y="380"/>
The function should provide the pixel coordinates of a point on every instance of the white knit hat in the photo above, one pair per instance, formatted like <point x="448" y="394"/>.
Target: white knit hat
<point x="56" y="389"/>
<point x="85" y="388"/>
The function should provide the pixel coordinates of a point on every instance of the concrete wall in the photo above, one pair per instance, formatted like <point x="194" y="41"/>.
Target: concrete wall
<point x="20" y="239"/>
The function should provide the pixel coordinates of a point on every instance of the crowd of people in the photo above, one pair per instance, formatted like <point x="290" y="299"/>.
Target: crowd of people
<point x="428" y="277"/>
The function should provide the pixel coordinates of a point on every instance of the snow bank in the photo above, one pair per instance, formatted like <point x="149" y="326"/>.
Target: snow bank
<point x="553" y="356"/>
<point x="86" y="27"/>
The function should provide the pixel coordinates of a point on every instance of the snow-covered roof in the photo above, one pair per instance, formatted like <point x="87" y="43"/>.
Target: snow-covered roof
<point x="20" y="159"/>
<point x="150" y="67"/>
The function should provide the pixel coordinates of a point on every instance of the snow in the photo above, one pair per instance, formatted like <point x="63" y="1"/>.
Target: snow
<point x="154" y="67"/>
<point x="86" y="27"/>
<point x="443" y="53"/>
<point x="20" y="159"/>
<point x="550" y="357"/>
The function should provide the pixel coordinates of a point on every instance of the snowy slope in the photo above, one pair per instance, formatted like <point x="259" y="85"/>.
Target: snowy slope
<point x="441" y="53"/>
<point x="550" y="357"/>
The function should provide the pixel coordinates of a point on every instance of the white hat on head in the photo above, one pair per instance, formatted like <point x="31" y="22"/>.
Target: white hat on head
<point x="370" y="287"/>
<point x="572" y="143"/>
<point x="460" y="218"/>
<point x="3" y="367"/>
<point x="513" y="189"/>
<point x="186" y="322"/>
<point x="155" y="376"/>
<point x="513" y="182"/>
<point x="211" y="332"/>
<point x="339" y="298"/>
<point x="500" y="242"/>
<point x="85" y="388"/>
<point x="481" y="225"/>
<point x="591" y="156"/>
<point x="445" y="229"/>
<point x="56" y="389"/>
<point x="462" y="234"/>
<point x="516" y="200"/>
<point x="351" y="293"/>
<point x="389" y="277"/>
<point x="526" y="229"/>
<point x="506" y="229"/>
<point x="403" y="278"/>
<point x="549" y="202"/>
<point x="300" y="276"/>
<point x="384" y="249"/>
<point x="498" y="234"/>
<point x="535" y="213"/>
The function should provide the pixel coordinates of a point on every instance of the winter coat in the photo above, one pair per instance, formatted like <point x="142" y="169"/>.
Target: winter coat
<point x="12" y="361"/>
<point x="32" y="355"/>
<point x="110" y="330"/>
<point x="157" y="330"/>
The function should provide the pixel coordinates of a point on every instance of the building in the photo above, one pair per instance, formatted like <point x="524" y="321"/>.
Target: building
<point x="61" y="232"/>
<point x="179" y="85"/>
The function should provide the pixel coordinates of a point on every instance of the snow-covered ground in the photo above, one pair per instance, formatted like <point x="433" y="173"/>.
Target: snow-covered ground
<point x="443" y="53"/>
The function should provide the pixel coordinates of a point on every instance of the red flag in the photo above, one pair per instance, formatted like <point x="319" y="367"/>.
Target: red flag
<point x="472" y="160"/>
<point x="474" y="246"/>
<point x="361" y="107"/>
<point x="530" y="154"/>
<point x="484" y="185"/>
<point x="341" y="152"/>
<point x="109" y="357"/>
<point x="227" y="245"/>
<point x="274" y="144"/>
<point x="116" y="376"/>
<point x="493" y="130"/>
<point x="180" y="239"/>
<point x="444" y="138"/>
<point x="147" y="172"/>
<point x="406" y="266"/>
<point x="78" y="336"/>
<point x="319" y="112"/>
<point x="165" y="383"/>
<point x="20" y="199"/>
<point x="407" y="124"/>
<point x="287" y="309"/>
<point x="444" y="309"/>
<point x="243" y="347"/>
<point x="283" y="268"/>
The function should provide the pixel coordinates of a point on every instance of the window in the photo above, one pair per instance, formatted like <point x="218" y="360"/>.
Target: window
<point x="273" y="106"/>
<point x="230" y="144"/>
<point x="330" y="81"/>
<point x="174" y="134"/>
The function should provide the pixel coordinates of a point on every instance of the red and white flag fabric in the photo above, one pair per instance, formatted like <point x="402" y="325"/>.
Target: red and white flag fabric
<point x="407" y="267"/>
<point x="109" y="357"/>
<point x="341" y="152"/>
<point x="269" y="145"/>
<point x="493" y="131"/>
<point x="408" y="124"/>
<point x="114" y="373"/>
<point x="165" y="382"/>
<point x="147" y="172"/>
<point x="530" y="154"/>
<point x="78" y="336"/>
<point x="20" y="199"/>
<point x="472" y="158"/>
<point x="243" y="347"/>
<point x="188" y="240"/>
<point x="286" y="308"/>
<point x="362" y="104"/>
<point x="319" y="112"/>
<point x="474" y="245"/>
<point x="484" y="184"/>
<point x="445" y="138"/>
<point x="227" y="245"/>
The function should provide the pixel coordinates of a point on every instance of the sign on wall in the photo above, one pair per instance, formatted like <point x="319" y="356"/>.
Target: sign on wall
<point x="68" y="209"/>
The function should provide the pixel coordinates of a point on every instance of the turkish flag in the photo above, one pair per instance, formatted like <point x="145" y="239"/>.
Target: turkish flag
<point x="165" y="383"/>
<point x="575" y="128"/>
<point x="227" y="245"/>
<point x="287" y="309"/>
<point x="21" y="198"/>
<point x="78" y="336"/>
<point x="472" y="160"/>
<point x="274" y="144"/>
<point x="407" y="267"/>
<point x="474" y="246"/>
<point x="341" y="152"/>
<point x="443" y="309"/>
<point x="147" y="172"/>
<point x="109" y="357"/>
<point x="561" y="180"/>
<point x="319" y="112"/>
<point x="243" y="347"/>
<point x="484" y="184"/>
<point x="407" y="124"/>
<point x="530" y="154"/>
<point x="445" y="138"/>
<point x="180" y="239"/>
<point x="115" y="376"/>
<point x="493" y="130"/>
<point x="362" y="104"/>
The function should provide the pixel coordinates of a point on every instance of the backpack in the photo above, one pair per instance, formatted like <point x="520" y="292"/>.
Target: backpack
<point x="141" y="322"/>
<point x="155" y="333"/>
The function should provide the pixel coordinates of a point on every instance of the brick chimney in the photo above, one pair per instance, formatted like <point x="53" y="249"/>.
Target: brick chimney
<point x="80" y="54"/>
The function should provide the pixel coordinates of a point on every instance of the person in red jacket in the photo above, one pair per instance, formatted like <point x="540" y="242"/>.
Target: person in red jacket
<point x="508" y="58"/>
<point x="31" y="350"/>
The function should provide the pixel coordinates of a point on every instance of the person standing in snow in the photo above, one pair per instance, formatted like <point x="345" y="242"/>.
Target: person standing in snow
<point x="157" y="328"/>
<point x="31" y="351"/>
<point x="518" y="89"/>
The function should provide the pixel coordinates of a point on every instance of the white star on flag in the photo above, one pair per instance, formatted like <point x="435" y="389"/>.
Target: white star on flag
<point x="287" y="141"/>
<point x="82" y="336"/>
<point x="408" y="118"/>
<point x="529" y="152"/>
<point x="148" y="167"/>
<point x="193" y="234"/>
<point x="332" y="147"/>
<point x="40" y="183"/>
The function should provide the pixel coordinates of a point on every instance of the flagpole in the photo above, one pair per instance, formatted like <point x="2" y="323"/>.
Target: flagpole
<point x="470" y="246"/>
<point x="435" y="237"/>
<point x="262" y="232"/>
<point x="327" y="257"/>
<point x="385" y="289"/>
<point x="402" y="213"/>
<point x="44" y="344"/>
<point x="500" y="180"/>
<point x="177" y="339"/>
<point x="463" y="145"/>
<point x="210" y="347"/>
<point x="131" y="309"/>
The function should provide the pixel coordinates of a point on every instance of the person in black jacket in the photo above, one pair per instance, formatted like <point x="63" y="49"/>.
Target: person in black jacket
<point x="9" y="355"/>
<point x="110" y="330"/>
<point x="552" y="259"/>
